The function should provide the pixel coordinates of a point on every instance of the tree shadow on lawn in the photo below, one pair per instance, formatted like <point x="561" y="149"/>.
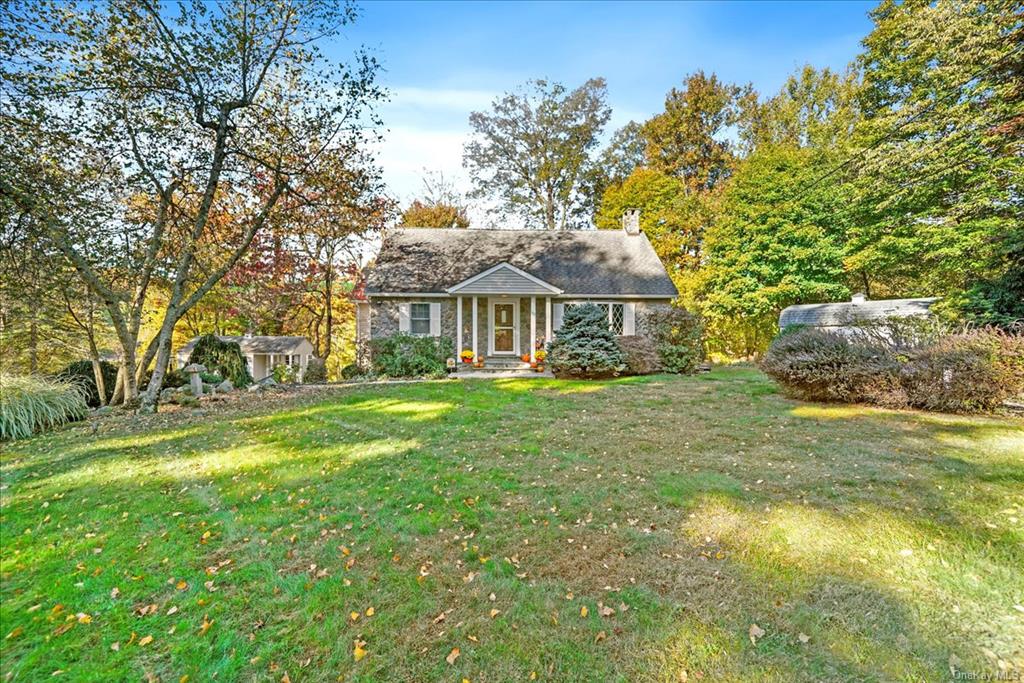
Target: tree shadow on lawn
<point x="460" y="488"/>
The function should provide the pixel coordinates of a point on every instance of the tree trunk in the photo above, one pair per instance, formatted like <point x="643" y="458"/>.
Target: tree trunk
<point x="33" y="345"/>
<point x="329" y="312"/>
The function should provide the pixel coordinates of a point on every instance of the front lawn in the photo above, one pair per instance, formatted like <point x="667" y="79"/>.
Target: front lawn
<point x="655" y="529"/>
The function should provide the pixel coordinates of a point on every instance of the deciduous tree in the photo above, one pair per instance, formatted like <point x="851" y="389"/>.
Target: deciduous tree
<point x="531" y="151"/>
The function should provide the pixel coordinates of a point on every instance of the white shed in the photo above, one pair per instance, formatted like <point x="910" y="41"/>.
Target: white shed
<point x="263" y="353"/>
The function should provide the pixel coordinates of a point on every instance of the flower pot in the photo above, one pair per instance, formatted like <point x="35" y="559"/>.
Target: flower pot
<point x="467" y="360"/>
<point x="539" y="367"/>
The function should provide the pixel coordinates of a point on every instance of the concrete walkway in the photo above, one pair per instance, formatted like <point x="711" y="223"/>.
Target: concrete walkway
<point x="502" y="374"/>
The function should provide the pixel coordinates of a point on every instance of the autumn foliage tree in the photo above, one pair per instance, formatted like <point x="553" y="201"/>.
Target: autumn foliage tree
<point x="131" y="125"/>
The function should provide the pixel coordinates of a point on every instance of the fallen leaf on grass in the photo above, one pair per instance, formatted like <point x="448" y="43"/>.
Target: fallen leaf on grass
<point x="803" y="638"/>
<point x="145" y="640"/>
<point x="83" y="618"/>
<point x="15" y="633"/>
<point x="359" y="650"/>
<point x="205" y="626"/>
<point x="601" y="635"/>
<point x="114" y="592"/>
<point x="182" y="585"/>
<point x="370" y="612"/>
<point x="354" y="616"/>
<point x="452" y="656"/>
<point x="605" y="610"/>
<point x="755" y="633"/>
<point x="584" y="611"/>
<point x="116" y="647"/>
<point x="495" y="612"/>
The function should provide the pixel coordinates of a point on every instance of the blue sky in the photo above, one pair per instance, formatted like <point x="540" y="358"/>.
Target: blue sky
<point x="445" y="59"/>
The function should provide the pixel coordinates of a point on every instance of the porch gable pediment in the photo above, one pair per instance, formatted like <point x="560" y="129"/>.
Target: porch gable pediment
<point x="504" y="278"/>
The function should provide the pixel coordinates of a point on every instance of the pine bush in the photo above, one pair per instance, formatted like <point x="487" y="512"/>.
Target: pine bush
<point x="584" y="346"/>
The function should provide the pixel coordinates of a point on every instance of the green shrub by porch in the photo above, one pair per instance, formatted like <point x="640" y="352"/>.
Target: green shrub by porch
<point x="406" y="355"/>
<point x="584" y="346"/>
<point x="223" y="358"/>
<point x="679" y="338"/>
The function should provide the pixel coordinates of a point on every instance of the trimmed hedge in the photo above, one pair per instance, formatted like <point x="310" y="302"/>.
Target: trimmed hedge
<point x="30" y="404"/>
<point x="584" y="346"/>
<point x="641" y="354"/>
<point x="815" y="365"/>
<point x="968" y="371"/>
<point x="223" y="358"/>
<point x="81" y="371"/>
<point x="405" y="355"/>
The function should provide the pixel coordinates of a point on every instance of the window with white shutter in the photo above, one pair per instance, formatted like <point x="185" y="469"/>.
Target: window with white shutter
<point x="419" y="319"/>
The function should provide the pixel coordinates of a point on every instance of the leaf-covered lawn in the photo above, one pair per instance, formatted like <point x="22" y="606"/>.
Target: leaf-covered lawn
<point x="663" y="529"/>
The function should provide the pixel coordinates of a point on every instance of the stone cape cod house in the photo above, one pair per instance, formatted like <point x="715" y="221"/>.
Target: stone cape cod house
<point x="502" y="293"/>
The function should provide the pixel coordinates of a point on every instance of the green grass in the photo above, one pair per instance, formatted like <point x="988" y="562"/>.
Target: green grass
<point x="893" y="542"/>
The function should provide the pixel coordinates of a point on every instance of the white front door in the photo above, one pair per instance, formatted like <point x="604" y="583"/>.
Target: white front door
<point x="504" y="324"/>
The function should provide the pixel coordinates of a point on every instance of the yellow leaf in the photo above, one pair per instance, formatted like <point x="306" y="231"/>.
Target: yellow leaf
<point x="601" y="635"/>
<point x="755" y="633"/>
<point x="358" y="652"/>
<point x="83" y="618"/>
<point x="182" y="585"/>
<point x="183" y="679"/>
<point x="370" y="612"/>
<point x="584" y="611"/>
<point x="495" y="612"/>
<point x="452" y="656"/>
<point x="533" y="675"/>
<point x="205" y="626"/>
<point x="145" y="640"/>
<point x="354" y="616"/>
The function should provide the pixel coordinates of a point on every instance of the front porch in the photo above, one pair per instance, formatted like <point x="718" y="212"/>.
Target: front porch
<point x="510" y="315"/>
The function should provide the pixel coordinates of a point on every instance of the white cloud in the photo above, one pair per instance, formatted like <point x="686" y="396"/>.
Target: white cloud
<point x="459" y="100"/>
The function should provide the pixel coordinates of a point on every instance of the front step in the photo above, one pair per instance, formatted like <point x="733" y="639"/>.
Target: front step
<point x="497" y="364"/>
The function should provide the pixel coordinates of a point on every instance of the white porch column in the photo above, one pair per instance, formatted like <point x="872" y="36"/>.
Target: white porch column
<point x="547" y="320"/>
<point x="458" y="328"/>
<point x="533" y="328"/>
<point x="474" y="328"/>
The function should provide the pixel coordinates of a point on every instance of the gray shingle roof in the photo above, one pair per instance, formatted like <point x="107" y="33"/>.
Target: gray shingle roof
<point x="847" y="313"/>
<point x="588" y="262"/>
<point x="252" y="344"/>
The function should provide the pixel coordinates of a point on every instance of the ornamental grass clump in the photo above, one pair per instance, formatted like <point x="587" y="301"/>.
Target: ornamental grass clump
<point x="584" y="346"/>
<point x="30" y="404"/>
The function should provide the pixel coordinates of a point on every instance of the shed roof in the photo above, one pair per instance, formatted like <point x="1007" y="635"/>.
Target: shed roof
<point x="850" y="312"/>
<point x="578" y="262"/>
<point x="253" y="344"/>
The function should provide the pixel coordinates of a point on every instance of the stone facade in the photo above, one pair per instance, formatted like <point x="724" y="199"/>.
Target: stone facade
<point x="384" y="320"/>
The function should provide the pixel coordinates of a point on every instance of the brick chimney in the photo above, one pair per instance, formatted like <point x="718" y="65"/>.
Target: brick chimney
<point x="631" y="221"/>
